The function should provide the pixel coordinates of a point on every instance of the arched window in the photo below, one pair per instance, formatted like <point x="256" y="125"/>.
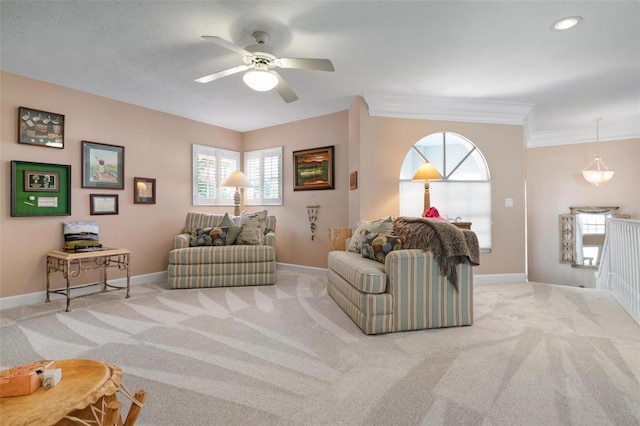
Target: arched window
<point x="465" y="189"/>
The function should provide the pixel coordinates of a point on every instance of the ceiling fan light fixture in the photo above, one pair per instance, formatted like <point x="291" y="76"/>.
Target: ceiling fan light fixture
<point x="260" y="80"/>
<point x="566" y="23"/>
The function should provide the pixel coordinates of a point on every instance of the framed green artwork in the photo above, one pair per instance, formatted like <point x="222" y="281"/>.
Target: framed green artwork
<point x="40" y="189"/>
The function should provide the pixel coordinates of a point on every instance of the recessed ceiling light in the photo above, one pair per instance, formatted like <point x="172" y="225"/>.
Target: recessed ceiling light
<point x="566" y="23"/>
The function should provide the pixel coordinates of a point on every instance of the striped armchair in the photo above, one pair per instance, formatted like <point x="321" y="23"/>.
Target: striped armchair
<point x="407" y="292"/>
<point x="224" y="266"/>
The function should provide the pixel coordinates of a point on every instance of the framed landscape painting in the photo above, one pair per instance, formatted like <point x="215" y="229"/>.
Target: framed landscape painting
<point x="313" y="169"/>
<point x="102" y="165"/>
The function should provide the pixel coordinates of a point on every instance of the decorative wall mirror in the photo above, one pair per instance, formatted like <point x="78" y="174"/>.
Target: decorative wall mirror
<point x="582" y="235"/>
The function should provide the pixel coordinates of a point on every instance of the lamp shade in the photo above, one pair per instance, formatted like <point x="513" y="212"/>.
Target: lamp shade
<point x="597" y="172"/>
<point x="237" y="180"/>
<point x="426" y="171"/>
<point x="260" y="80"/>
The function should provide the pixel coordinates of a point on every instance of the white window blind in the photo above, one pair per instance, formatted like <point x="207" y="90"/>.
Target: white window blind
<point x="210" y="167"/>
<point x="264" y="169"/>
<point x="465" y="189"/>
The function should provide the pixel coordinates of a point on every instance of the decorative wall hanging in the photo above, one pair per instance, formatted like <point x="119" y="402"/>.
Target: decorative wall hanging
<point x="312" y="211"/>
<point x="313" y="169"/>
<point x="144" y="190"/>
<point x="102" y="165"/>
<point x="103" y="204"/>
<point x="40" y="128"/>
<point x="40" y="189"/>
<point x="353" y="180"/>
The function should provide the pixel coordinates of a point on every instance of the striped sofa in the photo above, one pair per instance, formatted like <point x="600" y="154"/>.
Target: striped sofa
<point x="407" y="292"/>
<point x="224" y="266"/>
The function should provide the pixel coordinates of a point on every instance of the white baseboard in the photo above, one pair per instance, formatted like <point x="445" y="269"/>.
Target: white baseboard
<point x="311" y="270"/>
<point x="40" y="296"/>
<point x="499" y="279"/>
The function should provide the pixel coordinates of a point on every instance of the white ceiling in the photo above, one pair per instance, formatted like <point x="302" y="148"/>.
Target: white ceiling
<point x="486" y="61"/>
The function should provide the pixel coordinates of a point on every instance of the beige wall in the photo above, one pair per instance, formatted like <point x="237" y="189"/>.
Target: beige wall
<point x="158" y="145"/>
<point x="384" y="142"/>
<point x="293" y="242"/>
<point x="555" y="183"/>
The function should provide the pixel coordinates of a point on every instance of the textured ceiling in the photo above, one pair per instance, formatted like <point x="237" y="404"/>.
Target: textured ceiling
<point x="475" y="55"/>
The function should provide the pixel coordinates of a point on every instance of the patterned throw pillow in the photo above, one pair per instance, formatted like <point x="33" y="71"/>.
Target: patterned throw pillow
<point x="253" y="226"/>
<point x="81" y="235"/>
<point x="216" y="236"/>
<point x="377" y="246"/>
<point x="383" y="226"/>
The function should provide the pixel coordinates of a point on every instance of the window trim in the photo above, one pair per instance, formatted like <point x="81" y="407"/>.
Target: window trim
<point x="262" y="155"/>
<point x="224" y="196"/>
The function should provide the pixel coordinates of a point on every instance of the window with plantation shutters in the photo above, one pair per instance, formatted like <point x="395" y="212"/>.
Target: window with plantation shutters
<point x="210" y="167"/>
<point x="264" y="169"/>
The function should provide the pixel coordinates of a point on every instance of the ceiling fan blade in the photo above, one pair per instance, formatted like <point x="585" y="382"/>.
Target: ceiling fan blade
<point x="307" y="64"/>
<point x="226" y="44"/>
<point x="220" y="74"/>
<point x="284" y="90"/>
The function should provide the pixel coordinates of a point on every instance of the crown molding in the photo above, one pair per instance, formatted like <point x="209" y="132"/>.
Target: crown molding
<point x="493" y="112"/>
<point x="614" y="131"/>
<point x="433" y="108"/>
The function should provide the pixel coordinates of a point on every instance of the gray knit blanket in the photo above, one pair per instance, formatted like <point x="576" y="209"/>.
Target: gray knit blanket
<point x="449" y="244"/>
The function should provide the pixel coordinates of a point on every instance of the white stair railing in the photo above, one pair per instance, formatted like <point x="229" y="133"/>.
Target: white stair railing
<point x="619" y="271"/>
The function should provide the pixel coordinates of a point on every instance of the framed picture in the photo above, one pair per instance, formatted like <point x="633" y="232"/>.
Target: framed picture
<point x="313" y="169"/>
<point x="102" y="165"/>
<point x="353" y="180"/>
<point x="40" y="128"/>
<point x="40" y="189"/>
<point x="103" y="204"/>
<point x="144" y="190"/>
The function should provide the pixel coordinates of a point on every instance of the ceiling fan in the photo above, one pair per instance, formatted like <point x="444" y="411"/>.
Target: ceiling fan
<point x="260" y="62"/>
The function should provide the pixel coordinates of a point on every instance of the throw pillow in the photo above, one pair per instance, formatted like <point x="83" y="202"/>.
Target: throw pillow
<point x="253" y="227"/>
<point x="383" y="225"/>
<point x="232" y="234"/>
<point x="81" y="235"/>
<point x="226" y="221"/>
<point x="216" y="236"/>
<point x="377" y="246"/>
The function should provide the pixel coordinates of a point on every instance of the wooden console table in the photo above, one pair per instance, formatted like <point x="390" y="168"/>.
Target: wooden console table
<point x="73" y="264"/>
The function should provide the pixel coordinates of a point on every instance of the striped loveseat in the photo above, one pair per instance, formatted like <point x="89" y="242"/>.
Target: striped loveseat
<point x="221" y="266"/>
<point x="407" y="292"/>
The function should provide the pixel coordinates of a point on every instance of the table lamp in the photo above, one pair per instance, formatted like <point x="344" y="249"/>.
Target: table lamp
<point x="237" y="180"/>
<point x="425" y="172"/>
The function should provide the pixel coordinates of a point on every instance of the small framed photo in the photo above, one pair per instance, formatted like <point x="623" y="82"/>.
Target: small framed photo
<point x="313" y="169"/>
<point x="144" y="190"/>
<point x="40" y="189"/>
<point x="103" y="204"/>
<point x="102" y="165"/>
<point x="38" y="181"/>
<point x="40" y="128"/>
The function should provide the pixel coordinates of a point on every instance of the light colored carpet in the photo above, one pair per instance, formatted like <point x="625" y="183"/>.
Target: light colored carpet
<point x="287" y="355"/>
